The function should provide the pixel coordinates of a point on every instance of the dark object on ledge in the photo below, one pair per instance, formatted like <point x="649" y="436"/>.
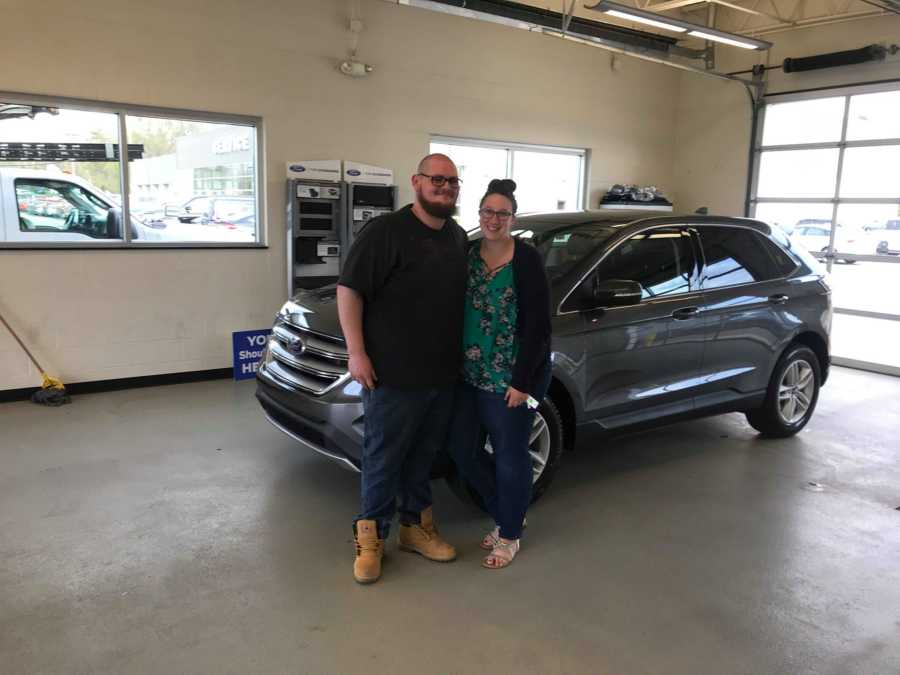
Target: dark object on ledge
<point x="634" y="197"/>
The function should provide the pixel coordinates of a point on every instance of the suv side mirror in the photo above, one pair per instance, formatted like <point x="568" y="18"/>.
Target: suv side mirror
<point x="609" y="293"/>
<point x="617" y="293"/>
<point x="113" y="223"/>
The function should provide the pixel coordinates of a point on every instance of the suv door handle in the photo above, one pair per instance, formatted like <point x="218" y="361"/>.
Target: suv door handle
<point x="778" y="299"/>
<point x="685" y="313"/>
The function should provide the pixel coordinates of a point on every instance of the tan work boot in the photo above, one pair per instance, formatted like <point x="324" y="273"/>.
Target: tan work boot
<point x="369" y="549"/>
<point x="424" y="539"/>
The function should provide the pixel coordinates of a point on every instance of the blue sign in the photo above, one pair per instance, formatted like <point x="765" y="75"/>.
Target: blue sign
<point x="354" y="172"/>
<point x="248" y="347"/>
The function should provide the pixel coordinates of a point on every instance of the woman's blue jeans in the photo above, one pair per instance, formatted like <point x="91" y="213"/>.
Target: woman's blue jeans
<point x="504" y="482"/>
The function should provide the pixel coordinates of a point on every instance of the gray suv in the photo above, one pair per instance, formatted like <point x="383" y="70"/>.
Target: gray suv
<point x="654" y="320"/>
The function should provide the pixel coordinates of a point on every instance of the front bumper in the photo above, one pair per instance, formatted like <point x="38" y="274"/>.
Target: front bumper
<point x="331" y="425"/>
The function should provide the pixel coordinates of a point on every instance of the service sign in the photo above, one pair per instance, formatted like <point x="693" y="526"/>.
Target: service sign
<point x="248" y="347"/>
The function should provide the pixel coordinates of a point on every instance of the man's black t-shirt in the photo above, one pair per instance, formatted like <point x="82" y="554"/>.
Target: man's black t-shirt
<point x="413" y="283"/>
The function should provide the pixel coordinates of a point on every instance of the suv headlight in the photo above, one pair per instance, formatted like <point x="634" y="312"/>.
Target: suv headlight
<point x="267" y="356"/>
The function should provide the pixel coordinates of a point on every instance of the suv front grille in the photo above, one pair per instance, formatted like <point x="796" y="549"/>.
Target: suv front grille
<point x="305" y="359"/>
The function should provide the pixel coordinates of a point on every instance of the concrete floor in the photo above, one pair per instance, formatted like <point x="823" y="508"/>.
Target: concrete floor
<point x="171" y="530"/>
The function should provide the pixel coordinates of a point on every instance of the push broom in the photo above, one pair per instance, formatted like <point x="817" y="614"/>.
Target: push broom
<point x="52" y="391"/>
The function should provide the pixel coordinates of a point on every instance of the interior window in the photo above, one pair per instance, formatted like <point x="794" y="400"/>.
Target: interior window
<point x="661" y="261"/>
<point x="736" y="256"/>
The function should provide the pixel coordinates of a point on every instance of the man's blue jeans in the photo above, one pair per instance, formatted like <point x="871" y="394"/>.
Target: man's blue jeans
<point x="404" y="429"/>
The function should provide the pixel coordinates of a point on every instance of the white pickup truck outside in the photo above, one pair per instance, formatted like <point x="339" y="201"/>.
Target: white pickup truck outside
<point x="51" y="207"/>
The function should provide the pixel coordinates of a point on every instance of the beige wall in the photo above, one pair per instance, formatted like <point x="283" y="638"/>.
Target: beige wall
<point x="714" y="117"/>
<point x="103" y="314"/>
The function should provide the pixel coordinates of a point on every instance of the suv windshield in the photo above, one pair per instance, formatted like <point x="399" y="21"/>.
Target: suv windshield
<point x="563" y="247"/>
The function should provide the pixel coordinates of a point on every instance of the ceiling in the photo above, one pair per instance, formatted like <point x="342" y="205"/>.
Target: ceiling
<point x="746" y="17"/>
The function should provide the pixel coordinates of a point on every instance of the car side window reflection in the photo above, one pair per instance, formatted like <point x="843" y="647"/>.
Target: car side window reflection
<point x="661" y="261"/>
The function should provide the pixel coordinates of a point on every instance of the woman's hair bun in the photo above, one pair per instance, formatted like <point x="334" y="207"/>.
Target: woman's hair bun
<point x="505" y="186"/>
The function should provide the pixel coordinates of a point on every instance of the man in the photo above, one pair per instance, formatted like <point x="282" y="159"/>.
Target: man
<point x="400" y="301"/>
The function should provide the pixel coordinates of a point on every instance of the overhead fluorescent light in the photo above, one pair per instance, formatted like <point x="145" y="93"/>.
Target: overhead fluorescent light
<point x="724" y="40"/>
<point x="645" y="20"/>
<point x="677" y="25"/>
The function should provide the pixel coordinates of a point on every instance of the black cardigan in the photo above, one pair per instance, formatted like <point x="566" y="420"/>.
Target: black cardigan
<point x="533" y="317"/>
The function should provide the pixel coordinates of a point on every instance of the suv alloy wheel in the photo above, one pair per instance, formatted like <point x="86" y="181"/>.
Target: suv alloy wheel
<point x="792" y="394"/>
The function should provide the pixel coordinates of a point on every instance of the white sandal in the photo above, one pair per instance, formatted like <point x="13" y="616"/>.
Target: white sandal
<point x="502" y="555"/>
<point x="492" y="538"/>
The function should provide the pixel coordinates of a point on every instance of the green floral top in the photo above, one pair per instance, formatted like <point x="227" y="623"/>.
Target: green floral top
<point x="489" y="330"/>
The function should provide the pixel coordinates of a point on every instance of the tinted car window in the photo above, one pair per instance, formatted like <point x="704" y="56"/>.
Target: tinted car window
<point x="661" y="261"/>
<point x="784" y="265"/>
<point x="736" y="255"/>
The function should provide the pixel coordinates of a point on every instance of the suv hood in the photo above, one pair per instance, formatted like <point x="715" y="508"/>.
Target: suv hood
<point x="314" y="309"/>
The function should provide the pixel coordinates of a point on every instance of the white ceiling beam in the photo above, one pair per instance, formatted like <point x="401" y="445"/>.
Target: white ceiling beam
<point x="816" y="21"/>
<point x="678" y="4"/>
<point x="748" y="10"/>
<point x="673" y="4"/>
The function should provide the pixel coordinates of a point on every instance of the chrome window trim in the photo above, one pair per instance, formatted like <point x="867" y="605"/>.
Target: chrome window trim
<point x="686" y="225"/>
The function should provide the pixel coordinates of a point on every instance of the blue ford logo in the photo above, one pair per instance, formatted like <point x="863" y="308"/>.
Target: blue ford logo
<point x="353" y="172"/>
<point x="299" y="168"/>
<point x="296" y="346"/>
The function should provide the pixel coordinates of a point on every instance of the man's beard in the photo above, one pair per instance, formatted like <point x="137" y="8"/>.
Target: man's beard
<point x="436" y="209"/>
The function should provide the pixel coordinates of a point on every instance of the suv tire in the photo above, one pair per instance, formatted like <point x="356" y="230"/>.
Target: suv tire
<point x="792" y="394"/>
<point x="551" y="454"/>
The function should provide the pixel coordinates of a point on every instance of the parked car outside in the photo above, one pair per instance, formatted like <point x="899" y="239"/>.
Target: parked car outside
<point x="815" y="234"/>
<point x="206" y="210"/>
<point x="888" y="237"/>
<point x="38" y="206"/>
<point x="654" y="320"/>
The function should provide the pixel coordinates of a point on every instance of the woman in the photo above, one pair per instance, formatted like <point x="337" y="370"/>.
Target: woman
<point x="506" y="370"/>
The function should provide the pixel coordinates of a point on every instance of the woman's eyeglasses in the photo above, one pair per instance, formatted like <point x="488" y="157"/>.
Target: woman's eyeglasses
<point x="439" y="181"/>
<point x="488" y="214"/>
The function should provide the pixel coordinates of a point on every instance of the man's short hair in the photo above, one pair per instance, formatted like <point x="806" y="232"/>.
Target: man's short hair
<point x="423" y="165"/>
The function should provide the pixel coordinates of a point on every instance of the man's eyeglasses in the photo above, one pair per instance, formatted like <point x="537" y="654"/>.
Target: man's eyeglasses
<point x="439" y="181"/>
<point x="488" y="214"/>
